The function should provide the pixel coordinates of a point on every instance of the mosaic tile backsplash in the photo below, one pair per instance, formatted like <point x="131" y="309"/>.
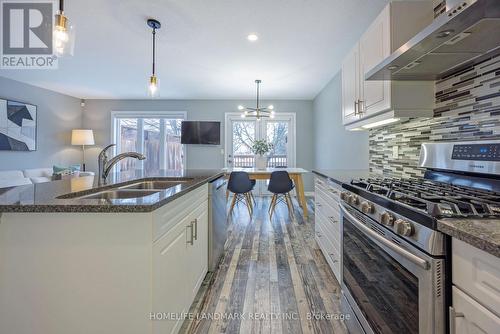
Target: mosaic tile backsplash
<point x="467" y="108"/>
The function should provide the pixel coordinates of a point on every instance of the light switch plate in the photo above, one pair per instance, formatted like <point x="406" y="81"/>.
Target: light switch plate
<point x="395" y="152"/>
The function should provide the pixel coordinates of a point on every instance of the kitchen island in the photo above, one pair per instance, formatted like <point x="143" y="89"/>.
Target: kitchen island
<point x="77" y="257"/>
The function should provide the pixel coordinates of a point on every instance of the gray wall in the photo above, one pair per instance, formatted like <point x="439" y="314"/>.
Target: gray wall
<point x="97" y="117"/>
<point x="57" y="115"/>
<point x="336" y="148"/>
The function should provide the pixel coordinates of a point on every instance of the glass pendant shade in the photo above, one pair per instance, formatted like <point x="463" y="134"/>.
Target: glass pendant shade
<point x="63" y="35"/>
<point x="153" y="87"/>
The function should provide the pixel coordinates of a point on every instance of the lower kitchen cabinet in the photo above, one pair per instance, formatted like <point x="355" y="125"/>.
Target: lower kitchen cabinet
<point x="470" y="317"/>
<point x="180" y="263"/>
<point x="327" y="223"/>
<point x="196" y="257"/>
<point x="169" y="265"/>
<point x="476" y="295"/>
<point x="103" y="273"/>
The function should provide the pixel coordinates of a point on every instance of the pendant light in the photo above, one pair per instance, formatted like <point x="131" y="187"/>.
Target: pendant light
<point x="64" y="33"/>
<point x="153" y="80"/>
<point x="258" y="112"/>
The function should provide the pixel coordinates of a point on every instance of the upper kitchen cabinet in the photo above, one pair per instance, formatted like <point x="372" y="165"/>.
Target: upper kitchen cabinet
<point x="350" y="86"/>
<point x="368" y="104"/>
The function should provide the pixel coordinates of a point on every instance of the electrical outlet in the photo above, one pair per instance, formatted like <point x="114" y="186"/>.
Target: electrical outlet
<point x="395" y="152"/>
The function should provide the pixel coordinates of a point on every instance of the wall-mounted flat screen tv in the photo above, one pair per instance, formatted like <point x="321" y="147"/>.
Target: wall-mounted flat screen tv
<point x="200" y="132"/>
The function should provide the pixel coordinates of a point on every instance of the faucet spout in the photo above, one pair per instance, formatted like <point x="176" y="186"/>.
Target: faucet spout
<point x="105" y="166"/>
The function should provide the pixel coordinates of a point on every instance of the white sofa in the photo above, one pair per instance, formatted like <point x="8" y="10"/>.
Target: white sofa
<point x="12" y="178"/>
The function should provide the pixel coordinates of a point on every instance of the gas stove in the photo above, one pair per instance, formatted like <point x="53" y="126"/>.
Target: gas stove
<point x="391" y="246"/>
<point x="461" y="181"/>
<point x="437" y="199"/>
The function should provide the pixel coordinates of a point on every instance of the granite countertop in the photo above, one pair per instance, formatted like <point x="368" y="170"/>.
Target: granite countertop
<point x="480" y="233"/>
<point x="42" y="197"/>
<point x="342" y="175"/>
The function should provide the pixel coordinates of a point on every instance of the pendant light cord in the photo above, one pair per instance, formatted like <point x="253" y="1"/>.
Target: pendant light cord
<point x="61" y="6"/>
<point x="154" y="49"/>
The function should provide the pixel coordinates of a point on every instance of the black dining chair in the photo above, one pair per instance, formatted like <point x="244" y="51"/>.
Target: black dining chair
<point x="241" y="186"/>
<point x="280" y="185"/>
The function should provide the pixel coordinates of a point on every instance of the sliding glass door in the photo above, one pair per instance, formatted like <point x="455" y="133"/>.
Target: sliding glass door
<point x="156" y="135"/>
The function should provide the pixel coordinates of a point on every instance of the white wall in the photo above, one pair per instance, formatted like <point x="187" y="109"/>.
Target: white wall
<point x="334" y="147"/>
<point x="57" y="115"/>
<point x="97" y="117"/>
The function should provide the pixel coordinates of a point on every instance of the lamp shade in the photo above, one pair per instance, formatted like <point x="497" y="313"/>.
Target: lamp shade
<point x="82" y="137"/>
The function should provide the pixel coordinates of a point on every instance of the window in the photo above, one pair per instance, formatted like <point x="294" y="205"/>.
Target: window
<point x="240" y="135"/>
<point x="156" y="135"/>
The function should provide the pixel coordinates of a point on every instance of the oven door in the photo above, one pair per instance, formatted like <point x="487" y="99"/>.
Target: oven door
<point x="391" y="286"/>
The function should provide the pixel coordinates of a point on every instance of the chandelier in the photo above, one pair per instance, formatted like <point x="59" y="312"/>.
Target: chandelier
<point x="258" y="112"/>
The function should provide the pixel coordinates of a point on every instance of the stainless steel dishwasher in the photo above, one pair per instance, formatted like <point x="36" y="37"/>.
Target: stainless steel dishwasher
<point x="217" y="226"/>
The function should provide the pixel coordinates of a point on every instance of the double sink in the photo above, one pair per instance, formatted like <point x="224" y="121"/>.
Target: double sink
<point x="135" y="190"/>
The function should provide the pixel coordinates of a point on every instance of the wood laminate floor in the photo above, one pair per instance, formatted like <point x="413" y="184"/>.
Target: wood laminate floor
<point x="272" y="279"/>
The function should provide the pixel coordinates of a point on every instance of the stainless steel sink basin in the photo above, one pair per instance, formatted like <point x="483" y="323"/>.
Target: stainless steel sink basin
<point x="119" y="194"/>
<point x="157" y="185"/>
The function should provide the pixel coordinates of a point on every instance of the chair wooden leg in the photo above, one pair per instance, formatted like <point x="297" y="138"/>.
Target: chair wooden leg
<point x="253" y="198"/>
<point x="233" y="202"/>
<point x="248" y="203"/>
<point x="289" y="203"/>
<point x="271" y="204"/>
<point x="248" y="198"/>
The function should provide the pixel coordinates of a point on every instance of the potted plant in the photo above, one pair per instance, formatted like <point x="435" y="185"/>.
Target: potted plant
<point x="260" y="148"/>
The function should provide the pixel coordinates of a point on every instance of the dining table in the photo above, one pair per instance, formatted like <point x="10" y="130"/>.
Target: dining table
<point x="265" y="174"/>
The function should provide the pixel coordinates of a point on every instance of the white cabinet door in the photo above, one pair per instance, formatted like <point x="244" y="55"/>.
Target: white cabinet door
<point x="350" y="86"/>
<point x="197" y="254"/>
<point x="170" y="289"/>
<point x="477" y="273"/>
<point x="469" y="317"/>
<point x="374" y="47"/>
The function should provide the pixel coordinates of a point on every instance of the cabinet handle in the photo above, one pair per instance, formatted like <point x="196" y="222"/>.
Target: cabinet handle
<point x="356" y="107"/>
<point x="332" y="219"/>
<point x="318" y="234"/>
<point x="453" y="316"/>
<point x="333" y="260"/>
<point x="191" y="237"/>
<point x="318" y="204"/>
<point x="195" y="229"/>
<point x="360" y="107"/>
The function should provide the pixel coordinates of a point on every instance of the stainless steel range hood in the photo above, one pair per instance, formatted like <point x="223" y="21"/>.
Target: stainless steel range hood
<point x="461" y="36"/>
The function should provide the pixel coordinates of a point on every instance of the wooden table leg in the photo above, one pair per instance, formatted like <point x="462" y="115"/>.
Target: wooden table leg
<point x="299" y="184"/>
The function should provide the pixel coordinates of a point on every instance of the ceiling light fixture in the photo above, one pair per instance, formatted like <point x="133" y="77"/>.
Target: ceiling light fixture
<point x="258" y="112"/>
<point x="252" y="37"/>
<point x="153" y="80"/>
<point x="63" y="34"/>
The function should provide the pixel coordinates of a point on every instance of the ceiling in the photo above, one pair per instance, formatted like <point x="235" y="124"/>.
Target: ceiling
<point x="203" y="52"/>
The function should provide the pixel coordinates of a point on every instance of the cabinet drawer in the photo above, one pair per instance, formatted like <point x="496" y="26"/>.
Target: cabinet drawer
<point x="328" y="207"/>
<point x="167" y="216"/>
<point x="475" y="318"/>
<point x="330" y="230"/>
<point x="329" y="189"/>
<point x="477" y="273"/>
<point x="331" y="254"/>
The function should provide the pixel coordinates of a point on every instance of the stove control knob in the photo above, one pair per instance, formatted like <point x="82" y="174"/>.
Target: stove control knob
<point x="367" y="207"/>
<point x="353" y="200"/>
<point x="387" y="219"/>
<point x="403" y="227"/>
<point x="344" y="196"/>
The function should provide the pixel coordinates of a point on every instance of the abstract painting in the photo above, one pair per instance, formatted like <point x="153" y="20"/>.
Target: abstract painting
<point x="17" y="126"/>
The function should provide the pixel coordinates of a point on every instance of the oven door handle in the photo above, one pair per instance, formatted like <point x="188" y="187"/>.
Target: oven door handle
<point x="401" y="251"/>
